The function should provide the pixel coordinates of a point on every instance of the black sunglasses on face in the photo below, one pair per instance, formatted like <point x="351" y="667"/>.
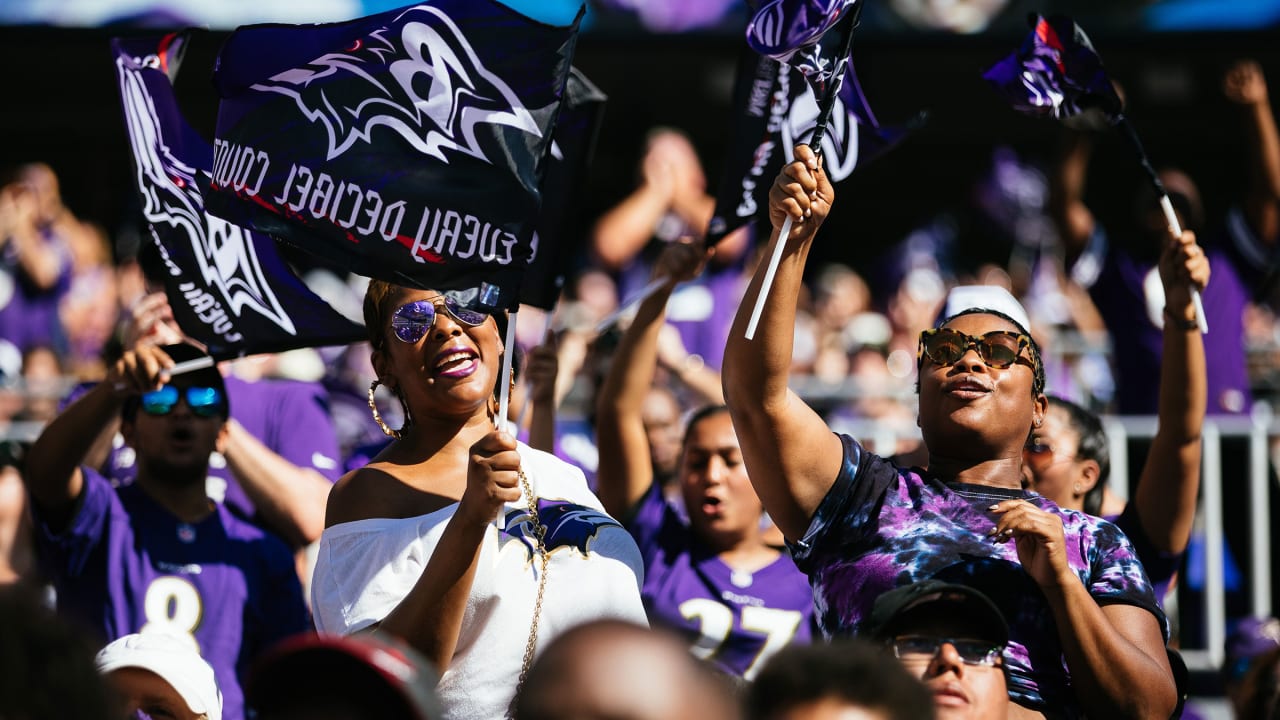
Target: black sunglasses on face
<point x="921" y="648"/>
<point x="999" y="349"/>
<point x="203" y="401"/>
<point x="411" y="321"/>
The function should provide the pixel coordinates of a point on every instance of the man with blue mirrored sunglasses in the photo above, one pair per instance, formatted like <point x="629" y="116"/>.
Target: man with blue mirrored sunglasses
<point x="158" y="554"/>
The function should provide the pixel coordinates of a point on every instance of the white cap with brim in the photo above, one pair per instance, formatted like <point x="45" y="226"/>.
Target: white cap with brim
<point x="175" y="660"/>
<point x="986" y="297"/>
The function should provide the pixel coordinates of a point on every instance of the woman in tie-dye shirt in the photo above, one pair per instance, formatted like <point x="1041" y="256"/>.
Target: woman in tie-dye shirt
<point x="1085" y="632"/>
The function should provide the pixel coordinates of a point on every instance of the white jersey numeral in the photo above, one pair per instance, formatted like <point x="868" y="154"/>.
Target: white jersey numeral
<point x="715" y="622"/>
<point x="172" y="606"/>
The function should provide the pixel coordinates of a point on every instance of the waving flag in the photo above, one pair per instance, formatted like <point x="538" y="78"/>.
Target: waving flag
<point x="775" y="109"/>
<point x="1056" y="72"/>
<point x="407" y="146"/>
<point x="558" y="246"/>
<point x="790" y="31"/>
<point x="227" y="286"/>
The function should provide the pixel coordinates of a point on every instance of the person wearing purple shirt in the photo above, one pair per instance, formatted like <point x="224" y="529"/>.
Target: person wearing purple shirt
<point x="671" y="202"/>
<point x="1086" y="635"/>
<point x="713" y="578"/>
<point x="158" y="555"/>
<point x="1068" y="458"/>
<point x="281" y="453"/>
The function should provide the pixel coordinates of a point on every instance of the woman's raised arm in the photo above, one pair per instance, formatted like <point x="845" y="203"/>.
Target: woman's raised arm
<point x="791" y="455"/>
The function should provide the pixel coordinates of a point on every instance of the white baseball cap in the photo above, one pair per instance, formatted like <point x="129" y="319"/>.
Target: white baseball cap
<point x="986" y="297"/>
<point x="172" y="658"/>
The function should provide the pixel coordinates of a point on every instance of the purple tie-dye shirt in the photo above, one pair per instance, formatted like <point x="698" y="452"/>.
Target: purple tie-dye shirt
<point x="882" y="527"/>
<point x="734" y="619"/>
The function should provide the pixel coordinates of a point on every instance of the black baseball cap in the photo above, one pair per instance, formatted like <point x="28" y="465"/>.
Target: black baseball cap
<point x="943" y="600"/>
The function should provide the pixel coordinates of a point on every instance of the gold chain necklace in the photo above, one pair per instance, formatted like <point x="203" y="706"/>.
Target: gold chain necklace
<point x="539" y="532"/>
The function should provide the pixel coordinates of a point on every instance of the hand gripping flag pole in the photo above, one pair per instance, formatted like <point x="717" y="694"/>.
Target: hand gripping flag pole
<point x="815" y="142"/>
<point x="1057" y="72"/>
<point x="1166" y="206"/>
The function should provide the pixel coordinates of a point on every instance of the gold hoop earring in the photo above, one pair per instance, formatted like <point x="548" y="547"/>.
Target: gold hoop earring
<point x="373" y="407"/>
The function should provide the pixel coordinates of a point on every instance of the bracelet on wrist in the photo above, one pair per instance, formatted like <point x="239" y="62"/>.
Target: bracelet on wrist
<point x="1180" y="322"/>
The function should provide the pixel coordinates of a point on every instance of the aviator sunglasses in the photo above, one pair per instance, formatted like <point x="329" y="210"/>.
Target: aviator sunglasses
<point x="203" y="401"/>
<point x="919" y="648"/>
<point x="999" y="349"/>
<point x="412" y="320"/>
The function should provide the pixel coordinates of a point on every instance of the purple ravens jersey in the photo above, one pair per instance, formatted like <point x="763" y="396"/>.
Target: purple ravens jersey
<point x="731" y="618"/>
<point x="125" y="565"/>
<point x="289" y="417"/>
<point x="881" y="527"/>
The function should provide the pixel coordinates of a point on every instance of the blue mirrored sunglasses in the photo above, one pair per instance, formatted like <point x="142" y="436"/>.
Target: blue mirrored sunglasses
<point x="203" y="401"/>
<point x="412" y="320"/>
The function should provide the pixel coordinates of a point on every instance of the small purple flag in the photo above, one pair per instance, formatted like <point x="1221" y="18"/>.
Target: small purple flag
<point x="408" y="146"/>
<point x="228" y="287"/>
<point x="791" y="31"/>
<point x="1055" y="73"/>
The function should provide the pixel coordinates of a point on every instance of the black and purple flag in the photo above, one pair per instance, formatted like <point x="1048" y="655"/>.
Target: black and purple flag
<point x="227" y="286"/>
<point x="792" y="31"/>
<point x="775" y="109"/>
<point x="559" y="242"/>
<point x="1056" y="72"/>
<point x="408" y="146"/>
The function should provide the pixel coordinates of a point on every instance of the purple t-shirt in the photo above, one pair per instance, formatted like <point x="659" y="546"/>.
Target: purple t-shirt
<point x="29" y="315"/>
<point x="1120" y="293"/>
<point x="125" y="565"/>
<point x="291" y="418"/>
<point x="734" y="619"/>
<point x="882" y="527"/>
<point x="1160" y="566"/>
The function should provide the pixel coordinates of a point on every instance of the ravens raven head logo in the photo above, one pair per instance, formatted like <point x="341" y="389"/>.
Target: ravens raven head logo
<point x="420" y="78"/>
<point x="567" y="524"/>
<point x="171" y="202"/>
<point x="839" y="144"/>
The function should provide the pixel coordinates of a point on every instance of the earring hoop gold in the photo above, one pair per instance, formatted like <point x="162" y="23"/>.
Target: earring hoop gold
<point x="377" y="417"/>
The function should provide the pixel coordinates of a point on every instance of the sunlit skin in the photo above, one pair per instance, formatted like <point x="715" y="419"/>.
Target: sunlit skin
<point x="960" y="691"/>
<point x="457" y="389"/>
<point x="1057" y="474"/>
<point x="971" y="412"/>
<point x="144" y="690"/>
<point x="722" y="504"/>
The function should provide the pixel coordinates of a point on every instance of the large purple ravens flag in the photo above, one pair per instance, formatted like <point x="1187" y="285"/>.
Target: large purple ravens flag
<point x="227" y="286"/>
<point x="407" y="146"/>
<point x="1056" y="72"/>
<point x="775" y="109"/>
<point x="558" y="242"/>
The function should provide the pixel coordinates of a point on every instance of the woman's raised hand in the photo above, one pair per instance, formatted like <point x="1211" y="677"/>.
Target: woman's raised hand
<point x="801" y="192"/>
<point x="1183" y="265"/>
<point x="493" y="477"/>
<point x="681" y="261"/>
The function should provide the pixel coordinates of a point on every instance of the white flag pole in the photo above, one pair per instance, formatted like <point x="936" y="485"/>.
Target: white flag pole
<point x="1172" y="218"/>
<point x="775" y="260"/>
